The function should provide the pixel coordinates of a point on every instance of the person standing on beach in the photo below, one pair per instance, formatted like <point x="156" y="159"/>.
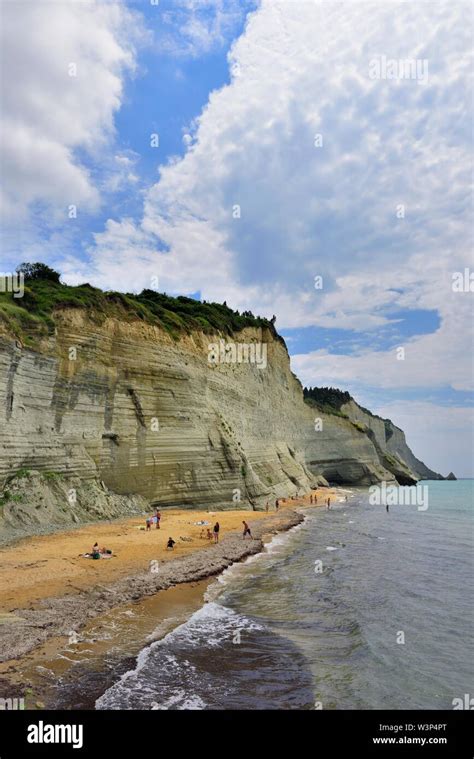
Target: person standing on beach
<point x="276" y="504"/>
<point x="329" y="503"/>
<point x="311" y="498"/>
<point x="158" y="519"/>
<point x="266" y="507"/>
<point x="386" y="508"/>
<point x="216" y="532"/>
<point x="246" y="530"/>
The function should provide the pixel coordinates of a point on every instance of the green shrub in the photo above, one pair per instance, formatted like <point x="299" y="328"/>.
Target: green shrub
<point x="51" y="476"/>
<point x="5" y="497"/>
<point x="328" y="397"/>
<point x="20" y="474"/>
<point x="33" y="315"/>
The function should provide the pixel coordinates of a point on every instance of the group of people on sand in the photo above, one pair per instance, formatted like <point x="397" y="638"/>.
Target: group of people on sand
<point x="214" y="535"/>
<point x="155" y="519"/>
<point x="98" y="553"/>
<point x="277" y="505"/>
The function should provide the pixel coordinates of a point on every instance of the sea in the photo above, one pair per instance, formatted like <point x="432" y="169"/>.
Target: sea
<point x="356" y="608"/>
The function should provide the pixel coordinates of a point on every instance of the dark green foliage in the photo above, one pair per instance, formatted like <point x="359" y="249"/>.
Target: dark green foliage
<point x="329" y="397"/>
<point x="38" y="271"/>
<point x="32" y="316"/>
<point x="190" y="314"/>
<point x="388" y="429"/>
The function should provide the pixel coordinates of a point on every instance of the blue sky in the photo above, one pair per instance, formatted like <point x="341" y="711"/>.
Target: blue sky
<point x="268" y="106"/>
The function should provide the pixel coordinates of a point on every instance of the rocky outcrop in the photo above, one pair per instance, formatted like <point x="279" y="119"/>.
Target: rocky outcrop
<point x="125" y="404"/>
<point x="392" y="446"/>
<point x="451" y="476"/>
<point x="34" y="501"/>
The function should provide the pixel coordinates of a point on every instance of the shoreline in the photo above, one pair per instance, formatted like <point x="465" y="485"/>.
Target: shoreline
<point x="25" y="627"/>
<point x="59" y="615"/>
<point x="37" y="635"/>
<point x="61" y="675"/>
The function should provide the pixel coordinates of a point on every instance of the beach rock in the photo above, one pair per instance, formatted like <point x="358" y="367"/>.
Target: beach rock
<point x="451" y="476"/>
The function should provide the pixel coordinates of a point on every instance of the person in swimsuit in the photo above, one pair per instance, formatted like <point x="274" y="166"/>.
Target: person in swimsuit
<point x="158" y="519"/>
<point x="246" y="530"/>
<point x="216" y="532"/>
<point x="170" y="544"/>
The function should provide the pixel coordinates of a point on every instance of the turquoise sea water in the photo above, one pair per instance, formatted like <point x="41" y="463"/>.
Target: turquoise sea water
<point x="356" y="608"/>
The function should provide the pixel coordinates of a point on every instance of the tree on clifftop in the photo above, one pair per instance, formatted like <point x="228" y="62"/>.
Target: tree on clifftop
<point x="38" y="271"/>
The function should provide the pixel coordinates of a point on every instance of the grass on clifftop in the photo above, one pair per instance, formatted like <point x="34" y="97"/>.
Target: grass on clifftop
<point x="327" y="399"/>
<point x="32" y="316"/>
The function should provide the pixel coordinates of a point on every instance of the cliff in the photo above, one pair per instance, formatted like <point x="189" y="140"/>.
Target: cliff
<point x="100" y="405"/>
<point x="391" y="445"/>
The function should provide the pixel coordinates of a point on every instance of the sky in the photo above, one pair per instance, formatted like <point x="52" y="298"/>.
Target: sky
<point x="280" y="155"/>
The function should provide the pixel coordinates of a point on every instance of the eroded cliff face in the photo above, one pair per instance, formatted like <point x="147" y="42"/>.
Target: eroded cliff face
<point x="391" y="446"/>
<point x="125" y="405"/>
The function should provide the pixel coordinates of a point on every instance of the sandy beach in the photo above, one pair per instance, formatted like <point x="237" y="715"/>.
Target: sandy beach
<point x="48" y="590"/>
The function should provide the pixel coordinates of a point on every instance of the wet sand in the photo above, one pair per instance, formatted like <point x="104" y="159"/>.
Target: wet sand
<point x="48" y="593"/>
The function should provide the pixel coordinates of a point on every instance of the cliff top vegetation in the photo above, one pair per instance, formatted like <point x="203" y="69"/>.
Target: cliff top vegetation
<point x="32" y="316"/>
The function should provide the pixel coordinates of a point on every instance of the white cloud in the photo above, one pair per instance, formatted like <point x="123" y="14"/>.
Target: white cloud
<point x="434" y="360"/>
<point x="192" y="28"/>
<point x="47" y="115"/>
